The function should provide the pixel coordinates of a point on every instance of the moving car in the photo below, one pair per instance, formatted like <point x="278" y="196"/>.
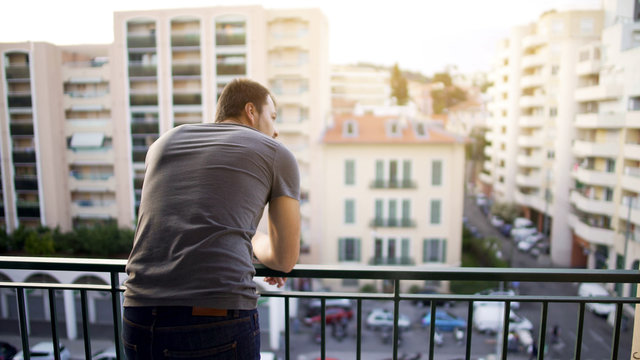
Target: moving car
<point x="332" y="315"/>
<point x="591" y="289"/>
<point x="444" y="321"/>
<point x="490" y="318"/>
<point x="379" y="318"/>
<point x="44" y="351"/>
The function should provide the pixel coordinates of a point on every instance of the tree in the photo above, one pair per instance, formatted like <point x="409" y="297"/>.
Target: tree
<point x="399" y="89"/>
<point x="443" y="77"/>
<point x="447" y="96"/>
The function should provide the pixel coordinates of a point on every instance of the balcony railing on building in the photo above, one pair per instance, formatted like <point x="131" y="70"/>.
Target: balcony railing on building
<point x="393" y="184"/>
<point x="392" y="222"/>
<point x="397" y="278"/>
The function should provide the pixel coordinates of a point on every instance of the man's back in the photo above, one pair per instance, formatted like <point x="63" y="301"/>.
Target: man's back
<point x="204" y="192"/>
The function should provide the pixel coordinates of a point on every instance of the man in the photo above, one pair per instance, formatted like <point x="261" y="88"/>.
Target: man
<point x="190" y="291"/>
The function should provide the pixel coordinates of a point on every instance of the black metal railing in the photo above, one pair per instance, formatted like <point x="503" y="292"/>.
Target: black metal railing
<point x="394" y="275"/>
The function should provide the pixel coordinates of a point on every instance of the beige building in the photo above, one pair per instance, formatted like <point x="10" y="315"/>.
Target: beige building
<point x="101" y="106"/>
<point x="531" y="121"/>
<point x="363" y="85"/>
<point x="396" y="194"/>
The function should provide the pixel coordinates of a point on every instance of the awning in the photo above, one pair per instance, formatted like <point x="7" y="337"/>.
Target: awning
<point x="79" y="140"/>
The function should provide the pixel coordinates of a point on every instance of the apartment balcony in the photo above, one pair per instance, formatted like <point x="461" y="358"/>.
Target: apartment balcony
<point x="92" y="182"/>
<point x="86" y="73"/>
<point x="185" y="39"/>
<point x="588" y="67"/>
<point x="18" y="71"/>
<point x="94" y="100"/>
<point x="89" y="125"/>
<point x="499" y="187"/>
<point x="141" y="40"/>
<point x="21" y="128"/>
<point x="632" y="119"/>
<point x="101" y="156"/>
<point x="187" y="99"/>
<point x="532" y="201"/>
<point x="378" y="260"/>
<point x="531" y="121"/>
<point x="26" y="182"/>
<point x="592" y="206"/>
<point x="80" y="297"/>
<point x="288" y="69"/>
<point x="631" y="179"/>
<point x="486" y="178"/>
<point x="598" y="93"/>
<point x="533" y="41"/>
<point x="600" y="121"/>
<point x="24" y="156"/>
<point x="143" y="70"/>
<point x="532" y="161"/>
<point x="293" y="127"/>
<point x="527" y="101"/>
<point x="28" y="209"/>
<point x="632" y="151"/>
<point x="529" y="81"/>
<point x="186" y="68"/>
<point x="630" y="212"/>
<point x="287" y="41"/>
<point x="488" y="165"/>
<point x="530" y="181"/>
<point x="490" y="136"/>
<point x="233" y="39"/>
<point x="393" y="184"/>
<point x="488" y="151"/>
<point x="591" y="233"/>
<point x="532" y="61"/>
<point x="529" y="141"/>
<point x="19" y="99"/>
<point x="583" y="148"/>
<point x="294" y="98"/>
<point x="94" y="209"/>
<point x="392" y="223"/>
<point x="595" y="177"/>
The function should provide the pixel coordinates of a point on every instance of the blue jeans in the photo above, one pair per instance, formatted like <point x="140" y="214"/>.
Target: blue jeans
<point x="172" y="332"/>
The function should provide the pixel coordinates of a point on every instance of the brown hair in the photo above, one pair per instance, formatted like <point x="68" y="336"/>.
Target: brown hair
<point x="237" y="94"/>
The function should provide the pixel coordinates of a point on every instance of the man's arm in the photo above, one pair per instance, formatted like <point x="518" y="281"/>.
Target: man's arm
<point x="280" y="249"/>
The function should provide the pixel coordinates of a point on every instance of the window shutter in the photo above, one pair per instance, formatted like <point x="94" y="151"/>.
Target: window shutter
<point x="349" y="172"/>
<point x="425" y="250"/>
<point x="357" y="249"/>
<point x="379" y="170"/>
<point x="405" y="248"/>
<point x="444" y="251"/>
<point x="341" y="249"/>
<point x="436" y="173"/>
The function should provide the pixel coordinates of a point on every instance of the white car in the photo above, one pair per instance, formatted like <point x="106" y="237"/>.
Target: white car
<point x="490" y="318"/>
<point x="522" y="222"/>
<point x="519" y="234"/>
<point x="590" y="289"/>
<point x="507" y="293"/>
<point x="379" y="318"/>
<point x="44" y="351"/>
<point x="529" y="242"/>
<point x="481" y="200"/>
<point x="496" y="221"/>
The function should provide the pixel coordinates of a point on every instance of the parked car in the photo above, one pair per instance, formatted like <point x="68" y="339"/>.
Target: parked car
<point x="427" y="302"/>
<point x="519" y="234"/>
<point x="490" y="318"/>
<point x="493" y="292"/>
<point x="529" y="242"/>
<point x="521" y="222"/>
<point x="505" y="229"/>
<point x="496" y="221"/>
<point x="7" y="351"/>
<point x="444" y="321"/>
<point x="314" y="306"/>
<point x="332" y="315"/>
<point x="481" y="199"/>
<point x="541" y="248"/>
<point x="592" y="289"/>
<point x="379" y="318"/>
<point x="44" y="351"/>
<point x="108" y="353"/>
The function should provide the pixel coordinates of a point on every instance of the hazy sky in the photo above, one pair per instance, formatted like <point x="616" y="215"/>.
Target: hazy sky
<point x="421" y="35"/>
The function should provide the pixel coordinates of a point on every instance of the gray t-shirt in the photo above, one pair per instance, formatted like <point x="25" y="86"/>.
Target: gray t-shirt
<point x="204" y="193"/>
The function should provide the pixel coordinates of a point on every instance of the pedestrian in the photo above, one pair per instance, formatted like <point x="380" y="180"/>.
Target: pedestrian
<point x="555" y="334"/>
<point x="190" y="288"/>
<point x="533" y="351"/>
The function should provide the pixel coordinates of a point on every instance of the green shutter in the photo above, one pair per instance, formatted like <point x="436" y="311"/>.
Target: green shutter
<point x="379" y="170"/>
<point x="436" y="173"/>
<point x="435" y="212"/>
<point x="406" y="173"/>
<point x="405" y="249"/>
<point x="357" y="249"/>
<point x="349" y="211"/>
<point x="349" y="172"/>
<point x="341" y="249"/>
<point x="406" y="211"/>
<point x="444" y="250"/>
<point x="425" y="251"/>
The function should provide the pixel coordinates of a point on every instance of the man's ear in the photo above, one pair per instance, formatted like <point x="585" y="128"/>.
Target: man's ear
<point x="251" y="113"/>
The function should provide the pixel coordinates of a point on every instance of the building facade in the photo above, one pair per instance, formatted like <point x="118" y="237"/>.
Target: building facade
<point x="396" y="194"/>
<point x="102" y="106"/>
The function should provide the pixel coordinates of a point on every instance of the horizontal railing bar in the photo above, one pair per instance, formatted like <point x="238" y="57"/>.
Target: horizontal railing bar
<point x="454" y="297"/>
<point x="357" y="272"/>
<point x="57" y="286"/>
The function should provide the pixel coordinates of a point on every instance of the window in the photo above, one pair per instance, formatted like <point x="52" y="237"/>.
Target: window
<point x="608" y="194"/>
<point x="379" y="171"/>
<point x="586" y="26"/>
<point x="634" y="103"/>
<point x="435" y="211"/>
<point x="406" y="212"/>
<point x="392" y="212"/>
<point x="555" y="69"/>
<point x="349" y="211"/>
<point x="349" y="172"/>
<point x="611" y="165"/>
<point x="87" y="140"/>
<point x="350" y="128"/>
<point x="405" y="249"/>
<point x="393" y="173"/>
<point x="553" y="112"/>
<point x="393" y="129"/>
<point x="379" y="211"/>
<point x="406" y="172"/>
<point x="434" y="250"/>
<point x="349" y="249"/>
<point x="436" y="172"/>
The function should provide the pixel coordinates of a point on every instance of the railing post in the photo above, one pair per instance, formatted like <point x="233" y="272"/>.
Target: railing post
<point x="24" y="326"/>
<point x="616" y="332"/>
<point x="359" y="329"/>
<point x="116" y="307"/>
<point x="54" y="324"/>
<point x="635" y="345"/>
<point x="85" y="325"/>
<point x="396" y="316"/>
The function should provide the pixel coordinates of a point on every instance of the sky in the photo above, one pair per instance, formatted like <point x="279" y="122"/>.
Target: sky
<point x="418" y="35"/>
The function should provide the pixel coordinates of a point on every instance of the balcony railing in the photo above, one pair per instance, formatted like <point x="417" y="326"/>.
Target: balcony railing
<point x="393" y="184"/>
<point x="113" y="269"/>
<point x="379" y="260"/>
<point x="392" y="222"/>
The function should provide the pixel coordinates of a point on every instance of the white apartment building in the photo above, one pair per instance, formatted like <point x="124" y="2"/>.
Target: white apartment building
<point x="396" y="194"/>
<point x="531" y="120"/>
<point x="363" y="85"/>
<point x="605" y="216"/>
<point x="76" y="121"/>
<point x="590" y="173"/>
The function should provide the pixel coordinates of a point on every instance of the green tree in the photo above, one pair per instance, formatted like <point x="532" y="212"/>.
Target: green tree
<point x="399" y="88"/>
<point x="506" y="211"/>
<point x="443" y="77"/>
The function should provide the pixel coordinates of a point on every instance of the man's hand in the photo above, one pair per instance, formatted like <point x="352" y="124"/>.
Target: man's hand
<point x="278" y="281"/>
